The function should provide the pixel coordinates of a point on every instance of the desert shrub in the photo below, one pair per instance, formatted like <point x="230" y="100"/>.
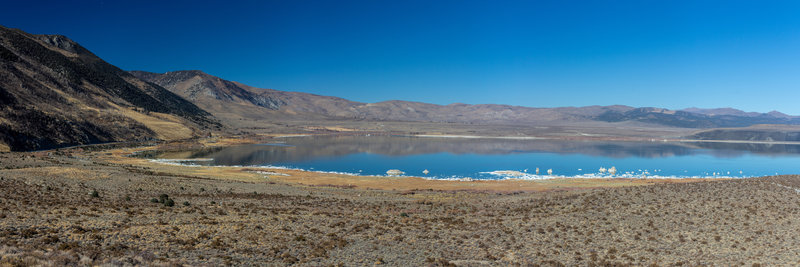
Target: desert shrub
<point x="186" y="203"/>
<point x="68" y="245"/>
<point x="163" y="199"/>
<point x="94" y="193"/>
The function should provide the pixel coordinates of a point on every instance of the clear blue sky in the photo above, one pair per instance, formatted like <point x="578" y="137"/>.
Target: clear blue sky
<point x="673" y="54"/>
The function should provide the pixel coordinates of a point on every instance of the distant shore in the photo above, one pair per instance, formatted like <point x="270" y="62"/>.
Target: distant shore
<point x="609" y="138"/>
<point x="480" y="137"/>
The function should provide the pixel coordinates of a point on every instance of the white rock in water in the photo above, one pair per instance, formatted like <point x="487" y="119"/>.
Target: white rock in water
<point x="508" y="173"/>
<point x="425" y="171"/>
<point x="395" y="172"/>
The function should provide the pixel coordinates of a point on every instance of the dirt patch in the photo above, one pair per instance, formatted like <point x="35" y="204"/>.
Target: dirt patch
<point x="65" y="172"/>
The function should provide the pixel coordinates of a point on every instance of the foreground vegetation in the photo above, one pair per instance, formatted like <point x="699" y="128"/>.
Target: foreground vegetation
<point x="72" y="207"/>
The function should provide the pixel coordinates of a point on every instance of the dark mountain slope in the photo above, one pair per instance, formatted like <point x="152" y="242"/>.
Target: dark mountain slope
<point x="56" y="93"/>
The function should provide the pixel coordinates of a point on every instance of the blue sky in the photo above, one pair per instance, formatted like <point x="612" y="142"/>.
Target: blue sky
<point x="673" y="54"/>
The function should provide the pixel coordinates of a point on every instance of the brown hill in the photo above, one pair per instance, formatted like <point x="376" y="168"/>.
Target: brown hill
<point x="55" y="93"/>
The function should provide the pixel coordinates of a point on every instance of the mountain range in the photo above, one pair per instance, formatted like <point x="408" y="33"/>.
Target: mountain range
<point x="217" y="96"/>
<point x="55" y="93"/>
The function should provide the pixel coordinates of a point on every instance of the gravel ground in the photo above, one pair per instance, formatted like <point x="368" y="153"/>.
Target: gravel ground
<point x="72" y="208"/>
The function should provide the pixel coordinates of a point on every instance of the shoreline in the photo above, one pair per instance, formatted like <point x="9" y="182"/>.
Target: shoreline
<point x="391" y="183"/>
<point x="522" y="177"/>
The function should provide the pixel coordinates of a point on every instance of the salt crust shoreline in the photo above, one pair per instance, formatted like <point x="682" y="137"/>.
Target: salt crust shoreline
<point x="500" y="174"/>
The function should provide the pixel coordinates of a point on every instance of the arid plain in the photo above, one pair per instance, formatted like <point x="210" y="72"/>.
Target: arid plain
<point x="94" y="205"/>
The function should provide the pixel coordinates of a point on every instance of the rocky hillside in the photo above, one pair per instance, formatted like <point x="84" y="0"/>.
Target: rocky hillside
<point x="204" y="89"/>
<point x="232" y="100"/>
<point x="55" y="93"/>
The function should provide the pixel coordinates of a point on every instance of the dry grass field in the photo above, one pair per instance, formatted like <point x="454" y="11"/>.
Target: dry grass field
<point x="76" y="207"/>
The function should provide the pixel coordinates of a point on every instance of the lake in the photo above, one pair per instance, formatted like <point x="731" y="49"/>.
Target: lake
<point x="487" y="158"/>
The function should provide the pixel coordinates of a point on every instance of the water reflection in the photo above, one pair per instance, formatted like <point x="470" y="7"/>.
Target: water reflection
<point x="308" y="148"/>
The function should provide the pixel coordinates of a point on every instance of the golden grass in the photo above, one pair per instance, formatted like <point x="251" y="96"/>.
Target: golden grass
<point x="167" y="127"/>
<point x="223" y="173"/>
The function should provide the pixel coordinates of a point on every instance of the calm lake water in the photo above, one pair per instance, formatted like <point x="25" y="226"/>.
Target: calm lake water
<point x="452" y="158"/>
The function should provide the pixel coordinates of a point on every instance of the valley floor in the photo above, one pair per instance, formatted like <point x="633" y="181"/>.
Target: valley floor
<point x="76" y="206"/>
